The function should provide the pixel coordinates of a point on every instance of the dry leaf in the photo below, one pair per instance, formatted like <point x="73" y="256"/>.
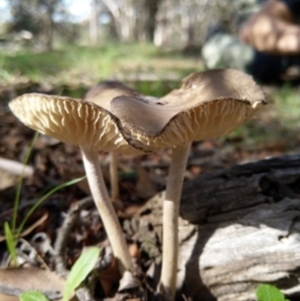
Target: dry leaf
<point x="20" y="280"/>
<point x="7" y="179"/>
<point x="109" y="277"/>
<point x="128" y="281"/>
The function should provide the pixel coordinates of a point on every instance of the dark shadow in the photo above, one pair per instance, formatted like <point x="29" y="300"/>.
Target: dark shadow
<point x="274" y="69"/>
<point x="193" y="285"/>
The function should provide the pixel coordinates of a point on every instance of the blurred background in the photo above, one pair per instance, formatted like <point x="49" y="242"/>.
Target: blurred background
<point x="50" y="40"/>
<point x="53" y="40"/>
<point x="67" y="46"/>
<point x="49" y="24"/>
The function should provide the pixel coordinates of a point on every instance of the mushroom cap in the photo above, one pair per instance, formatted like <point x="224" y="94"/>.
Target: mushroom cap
<point x="112" y="117"/>
<point x="71" y="121"/>
<point x="207" y="105"/>
<point x="103" y="93"/>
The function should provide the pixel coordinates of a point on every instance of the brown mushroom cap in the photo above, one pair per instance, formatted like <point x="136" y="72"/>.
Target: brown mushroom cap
<point x="71" y="121"/>
<point x="103" y="93"/>
<point x="208" y="105"/>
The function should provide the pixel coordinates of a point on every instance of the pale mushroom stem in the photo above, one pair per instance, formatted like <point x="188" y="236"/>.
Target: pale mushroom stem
<point x="105" y="209"/>
<point x="170" y="220"/>
<point x="114" y="178"/>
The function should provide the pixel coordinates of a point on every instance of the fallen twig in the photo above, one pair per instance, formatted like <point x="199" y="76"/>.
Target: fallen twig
<point x="16" y="168"/>
<point x="63" y="233"/>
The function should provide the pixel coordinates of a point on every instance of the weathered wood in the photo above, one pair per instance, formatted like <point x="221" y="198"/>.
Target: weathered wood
<point x="240" y="227"/>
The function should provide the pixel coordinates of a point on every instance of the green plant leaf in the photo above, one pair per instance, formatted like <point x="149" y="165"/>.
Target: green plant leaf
<point x="33" y="296"/>
<point x="80" y="270"/>
<point x="10" y="242"/>
<point x="11" y="233"/>
<point x="19" y="187"/>
<point x="42" y="199"/>
<point x="266" y="292"/>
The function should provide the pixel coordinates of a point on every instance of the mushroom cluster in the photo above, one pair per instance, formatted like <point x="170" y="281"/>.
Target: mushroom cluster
<point x="101" y="95"/>
<point x="116" y="119"/>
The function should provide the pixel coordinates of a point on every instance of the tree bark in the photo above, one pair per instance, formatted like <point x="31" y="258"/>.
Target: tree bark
<point x="239" y="228"/>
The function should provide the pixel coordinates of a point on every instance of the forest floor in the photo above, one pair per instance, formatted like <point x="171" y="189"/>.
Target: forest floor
<point x="273" y="132"/>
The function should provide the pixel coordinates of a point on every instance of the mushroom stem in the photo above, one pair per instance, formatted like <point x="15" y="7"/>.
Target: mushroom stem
<point x="170" y="220"/>
<point x="113" y="173"/>
<point x="106" y="210"/>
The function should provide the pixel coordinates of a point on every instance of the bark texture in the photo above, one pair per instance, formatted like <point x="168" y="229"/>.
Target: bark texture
<point x="239" y="228"/>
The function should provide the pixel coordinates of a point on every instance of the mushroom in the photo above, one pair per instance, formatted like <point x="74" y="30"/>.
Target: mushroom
<point x="91" y="127"/>
<point x="101" y="95"/>
<point x="208" y="105"/>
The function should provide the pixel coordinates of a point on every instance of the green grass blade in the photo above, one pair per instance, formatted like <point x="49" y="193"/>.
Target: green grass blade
<point x="266" y="292"/>
<point x="33" y="296"/>
<point x="43" y="198"/>
<point x="80" y="270"/>
<point x="11" y="243"/>
<point x="19" y="187"/>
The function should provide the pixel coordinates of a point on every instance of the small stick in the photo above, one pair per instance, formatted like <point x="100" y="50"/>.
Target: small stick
<point x="16" y="168"/>
<point x="63" y="233"/>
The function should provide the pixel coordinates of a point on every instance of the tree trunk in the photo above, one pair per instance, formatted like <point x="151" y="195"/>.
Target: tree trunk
<point x="124" y="16"/>
<point x="49" y="29"/>
<point x="151" y="9"/>
<point x="93" y="24"/>
<point x="239" y="228"/>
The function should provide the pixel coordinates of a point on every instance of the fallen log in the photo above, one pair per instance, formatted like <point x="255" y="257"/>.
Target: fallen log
<point x="240" y="227"/>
